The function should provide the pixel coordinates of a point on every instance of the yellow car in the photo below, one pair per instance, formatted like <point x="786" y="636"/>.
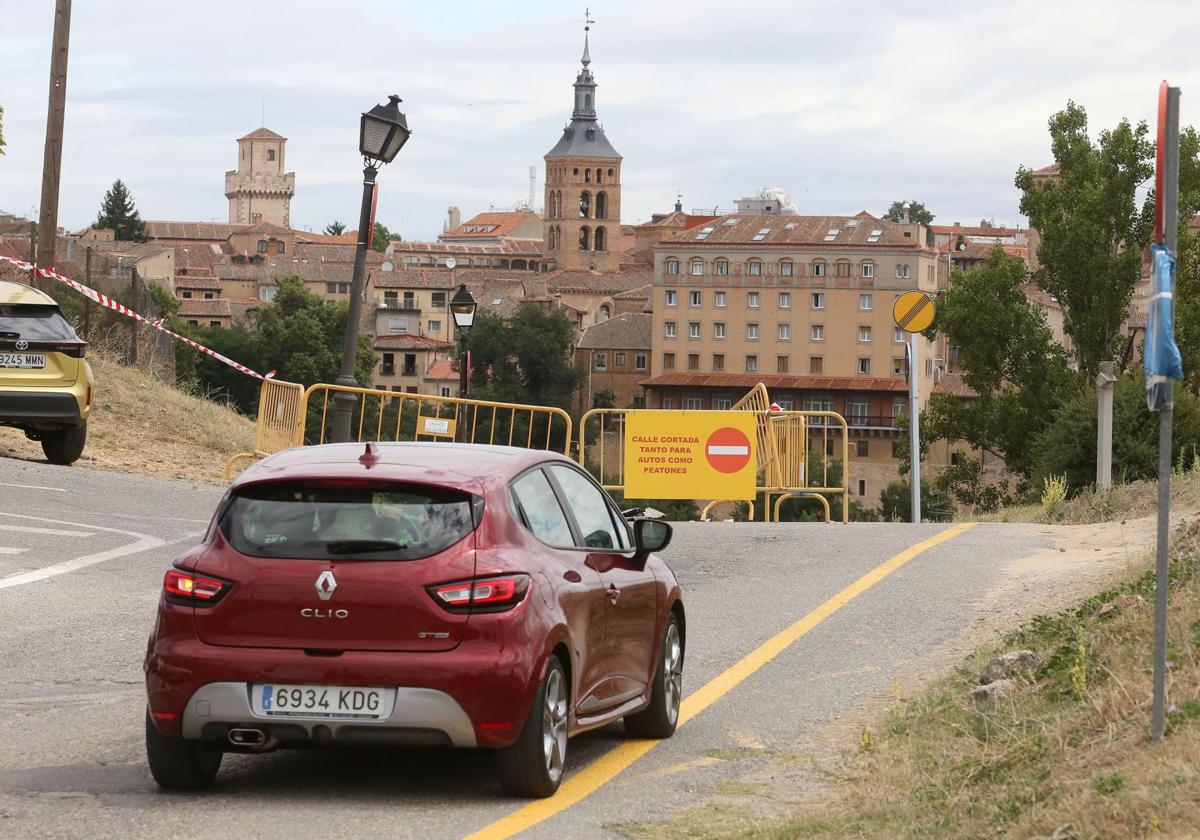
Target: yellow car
<point x="45" y="383"/>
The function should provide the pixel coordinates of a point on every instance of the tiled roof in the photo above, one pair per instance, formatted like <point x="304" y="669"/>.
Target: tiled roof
<point x="332" y="252"/>
<point x="507" y="248"/>
<point x="679" y="219"/>
<point x="408" y="341"/>
<point x="594" y="282"/>
<point x="959" y="230"/>
<point x="308" y="271"/>
<point x="768" y="230"/>
<point x="263" y="133"/>
<point x="207" y="284"/>
<point x="491" y="224"/>
<point x="637" y="293"/>
<point x="268" y="227"/>
<point x="749" y="380"/>
<point x="442" y="278"/>
<point x="195" y="308"/>
<point x="621" y="332"/>
<point x="136" y="250"/>
<point x="198" y="257"/>
<point x="1052" y="169"/>
<point x="952" y="383"/>
<point x="981" y="250"/>
<point x="442" y="370"/>
<point x="203" y="231"/>
<point x="350" y="237"/>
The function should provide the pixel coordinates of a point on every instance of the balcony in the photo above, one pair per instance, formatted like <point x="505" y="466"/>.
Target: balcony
<point x="408" y="370"/>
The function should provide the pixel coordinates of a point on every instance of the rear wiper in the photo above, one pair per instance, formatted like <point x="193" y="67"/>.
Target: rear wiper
<point x="355" y="546"/>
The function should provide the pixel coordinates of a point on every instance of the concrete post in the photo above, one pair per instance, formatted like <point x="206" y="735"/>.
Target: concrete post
<point x="1104" y="419"/>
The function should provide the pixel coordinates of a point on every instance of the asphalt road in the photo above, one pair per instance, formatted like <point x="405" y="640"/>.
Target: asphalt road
<point x="82" y="556"/>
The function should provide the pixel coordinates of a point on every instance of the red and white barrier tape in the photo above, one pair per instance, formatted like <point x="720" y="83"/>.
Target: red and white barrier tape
<point x="105" y="301"/>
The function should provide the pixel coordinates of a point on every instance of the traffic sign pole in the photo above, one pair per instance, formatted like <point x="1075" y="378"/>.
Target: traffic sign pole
<point x="914" y="423"/>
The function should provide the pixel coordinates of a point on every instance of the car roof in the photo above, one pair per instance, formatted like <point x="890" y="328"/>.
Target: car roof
<point x="20" y="293"/>
<point x="465" y="466"/>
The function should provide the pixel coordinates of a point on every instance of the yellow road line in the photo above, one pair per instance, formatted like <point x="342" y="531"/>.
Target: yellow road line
<point x="605" y="768"/>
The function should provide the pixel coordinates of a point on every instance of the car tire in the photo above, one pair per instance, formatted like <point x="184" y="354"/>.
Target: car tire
<point x="177" y="764"/>
<point x="64" y="446"/>
<point x="533" y="766"/>
<point x="659" y="719"/>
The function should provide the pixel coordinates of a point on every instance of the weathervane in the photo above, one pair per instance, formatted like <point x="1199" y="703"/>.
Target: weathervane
<point x="587" y="19"/>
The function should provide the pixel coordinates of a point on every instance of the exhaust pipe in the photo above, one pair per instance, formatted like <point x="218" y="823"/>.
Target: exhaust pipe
<point x="247" y="737"/>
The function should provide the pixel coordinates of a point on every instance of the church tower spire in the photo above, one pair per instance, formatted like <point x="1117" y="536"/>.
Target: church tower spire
<point x="582" y="221"/>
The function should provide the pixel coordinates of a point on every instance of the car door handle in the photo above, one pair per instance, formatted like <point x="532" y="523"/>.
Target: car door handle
<point x="614" y="594"/>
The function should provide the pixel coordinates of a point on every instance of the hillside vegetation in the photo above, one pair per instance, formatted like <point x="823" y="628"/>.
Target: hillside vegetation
<point x="140" y="425"/>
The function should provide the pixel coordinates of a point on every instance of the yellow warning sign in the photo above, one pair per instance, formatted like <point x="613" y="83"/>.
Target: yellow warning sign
<point x="690" y="455"/>
<point x="913" y="311"/>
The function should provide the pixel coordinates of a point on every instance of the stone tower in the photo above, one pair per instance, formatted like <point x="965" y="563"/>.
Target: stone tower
<point x="259" y="190"/>
<point x="581" y="226"/>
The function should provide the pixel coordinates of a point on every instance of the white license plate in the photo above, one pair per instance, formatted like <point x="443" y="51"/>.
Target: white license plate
<point x="326" y="701"/>
<point x="23" y="360"/>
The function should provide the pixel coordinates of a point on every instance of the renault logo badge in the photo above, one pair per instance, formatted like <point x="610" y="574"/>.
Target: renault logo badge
<point x="326" y="583"/>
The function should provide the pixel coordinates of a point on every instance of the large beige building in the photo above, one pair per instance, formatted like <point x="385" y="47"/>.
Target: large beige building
<point x="259" y="190"/>
<point x="802" y="304"/>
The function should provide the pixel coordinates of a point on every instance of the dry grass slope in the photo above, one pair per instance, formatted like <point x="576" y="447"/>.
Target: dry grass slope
<point x="140" y="425"/>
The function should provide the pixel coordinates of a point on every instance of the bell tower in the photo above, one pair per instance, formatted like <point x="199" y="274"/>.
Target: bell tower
<point x="581" y="226"/>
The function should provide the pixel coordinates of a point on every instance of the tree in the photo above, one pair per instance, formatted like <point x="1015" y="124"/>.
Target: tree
<point x="335" y="228"/>
<point x="381" y="237"/>
<point x="1009" y="358"/>
<point x="895" y="503"/>
<point x="917" y="213"/>
<point x="118" y="213"/>
<point x="1092" y="229"/>
<point x="526" y="359"/>
<point x="604" y="398"/>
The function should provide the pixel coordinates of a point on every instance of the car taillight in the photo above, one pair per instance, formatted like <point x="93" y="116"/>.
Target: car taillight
<point x="492" y="594"/>
<point x="193" y="589"/>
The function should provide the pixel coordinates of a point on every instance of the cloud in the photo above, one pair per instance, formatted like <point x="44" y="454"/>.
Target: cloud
<point x="847" y="107"/>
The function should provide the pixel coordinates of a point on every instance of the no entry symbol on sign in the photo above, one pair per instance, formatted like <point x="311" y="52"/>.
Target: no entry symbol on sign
<point x="727" y="450"/>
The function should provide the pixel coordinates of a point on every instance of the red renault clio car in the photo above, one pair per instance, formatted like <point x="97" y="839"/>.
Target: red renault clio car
<point x="413" y="594"/>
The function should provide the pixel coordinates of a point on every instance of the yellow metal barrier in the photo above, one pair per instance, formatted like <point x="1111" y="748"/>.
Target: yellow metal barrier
<point x="389" y="415"/>
<point x="783" y="453"/>
<point x="280" y="410"/>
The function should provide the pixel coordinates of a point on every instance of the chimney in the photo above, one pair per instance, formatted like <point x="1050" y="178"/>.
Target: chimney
<point x="904" y="210"/>
<point x="532" y="187"/>
<point x="71" y="250"/>
<point x="455" y="219"/>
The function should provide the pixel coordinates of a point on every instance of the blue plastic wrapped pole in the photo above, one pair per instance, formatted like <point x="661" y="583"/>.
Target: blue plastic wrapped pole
<point x="1162" y="360"/>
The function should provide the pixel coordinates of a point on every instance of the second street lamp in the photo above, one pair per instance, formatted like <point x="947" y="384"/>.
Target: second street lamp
<point x="382" y="133"/>
<point x="462" y="308"/>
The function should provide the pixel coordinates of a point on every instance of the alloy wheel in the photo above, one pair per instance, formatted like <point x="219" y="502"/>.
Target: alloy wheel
<point x="672" y="671"/>
<point x="554" y="725"/>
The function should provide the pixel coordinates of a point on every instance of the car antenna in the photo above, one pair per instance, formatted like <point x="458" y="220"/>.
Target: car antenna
<point x="370" y="457"/>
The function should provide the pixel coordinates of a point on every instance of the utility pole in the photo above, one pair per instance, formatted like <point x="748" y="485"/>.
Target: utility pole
<point x="1104" y="425"/>
<point x="55" y="113"/>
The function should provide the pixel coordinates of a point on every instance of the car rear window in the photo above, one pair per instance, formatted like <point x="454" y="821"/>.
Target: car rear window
<point x="34" y="322"/>
<point x="347" y="520"/>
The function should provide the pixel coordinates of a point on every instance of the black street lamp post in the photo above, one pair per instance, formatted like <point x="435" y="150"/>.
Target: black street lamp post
<point x="384" y="130"/>
<point x="462" y="308"/>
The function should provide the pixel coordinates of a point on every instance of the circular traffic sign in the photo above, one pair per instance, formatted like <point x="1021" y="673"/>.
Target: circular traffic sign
<point x="913" y="311"/>
<point x="727" y="450"/>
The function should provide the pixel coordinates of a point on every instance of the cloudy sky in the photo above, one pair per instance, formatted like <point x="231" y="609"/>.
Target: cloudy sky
<point x="846" y="106"/>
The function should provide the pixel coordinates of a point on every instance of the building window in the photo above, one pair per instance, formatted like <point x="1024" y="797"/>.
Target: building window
<point x="721" y="267"/>
<point x="818" y="402"/>
<point x="668" y="400"/>
<point x="781" y="364"/>
<point x="193" y="323"/>
<point x="695" y="298"/>
<point x="752" y="332"/>
<point x="866" y="302"/>
<point x="817" y="332"/>
<point x="864" y="334"/>
<point x="897" y="367"/>
<point x="785" y="332"/>
<point x="262" y="246"/>
<point x="722" y="402"/>
<point x="719" y="329"/>
<point x="720" y="299"/>
<point x="864" y="365"/>
<point x="818" y="300"/>
<point x="266" y="293"/>
<point x="902" y="271"/>
<point x="619" y="360"/>
<point x="718" y="361"/>
<point x="601" y="242"/>
<point x="818" y="268"/>
<point x="601" y="361"/>
<point x="862" y="486"/>
<point x="672" y="266"/>
<point x="639" y="401"/>
<point x="438" y="299"/>
<point x="861" y="449"/>
<point x="859" y="410"/>
<point x="398" y="325"/>
<point x="692" y="402"/>
<point x="279" y="247"/>
<point x="754" y="268"/>
<point x="668" y="361"/>
<point x="868" y="269"/>
<point x="585" y="239"/>
<point x="601" y="202"/>
<point x="899" y="406"/>
<point x="187" y="295"/>
<point x="752" y="364"/>
<point x="816" y="364"/>
<point x="445" y="390"/>
<point x="388" y="365"/>
<point x="693" y="361"/>
<point x="785" y="268"/>
<point x="214" y="323"/>
<point x="672" y="297"/>
<point x="786" y="403"/>
<point x="898" y="335"/>
<point x="639" y="361"/>
<point x="693" y="329"/>
<point x="752" y="300"/>
<point x="434" y="326"/>
<point x="843" y="268"/>
<point x="929" y="367"/>
<point x="668" y="329"/>
<point x="696" y="267"/>
<point x="785" y="300"/>
<point x="210" y="295"/>
<point x="270" y="154"/>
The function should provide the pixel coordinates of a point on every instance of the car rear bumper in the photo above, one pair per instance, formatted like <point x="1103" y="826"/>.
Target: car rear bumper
<point x="419" y="717"/>
<point x="62" y="406"/>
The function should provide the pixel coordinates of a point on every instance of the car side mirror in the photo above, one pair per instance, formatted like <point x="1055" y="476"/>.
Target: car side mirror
<point x="650" y="535"/>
